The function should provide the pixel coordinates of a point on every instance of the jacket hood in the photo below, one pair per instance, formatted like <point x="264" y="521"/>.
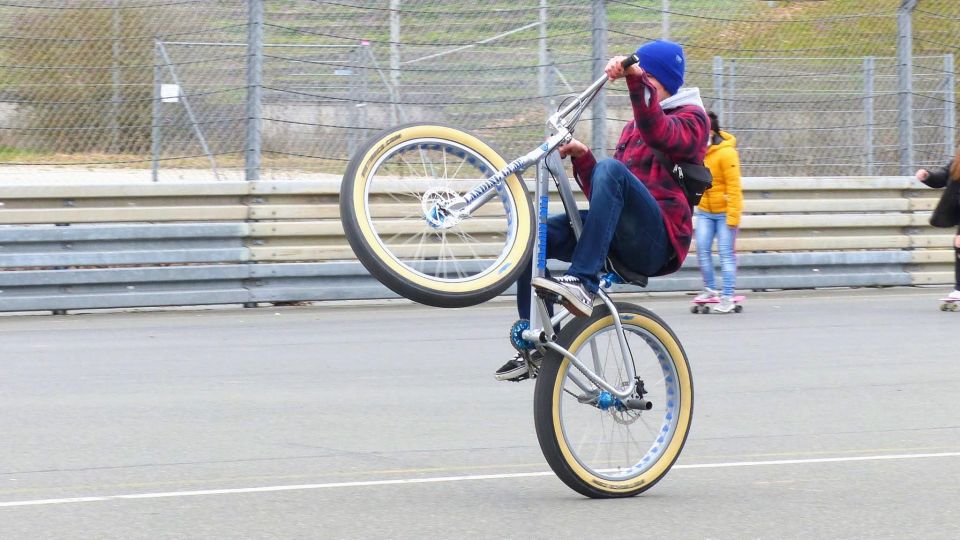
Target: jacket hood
<point x="684" y="96"/>
<point x="729" y="141"/>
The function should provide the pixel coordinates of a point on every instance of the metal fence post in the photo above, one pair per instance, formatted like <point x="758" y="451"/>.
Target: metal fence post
<point x="665" y="20"/>
<point x="949" y="106"/>
<point x="115" y="79"/>
<point x="905" y="80"/>
<point x="395" y="59"/>
<point x="718" y="102"/>
<point x="599" y="107"/>
<point x="352" y="106"/>
<point x="254" y="90"/>
<point x="364" y="91"/>
<point x="544" y="71"/>
<point x="731" y="90"/>
<point x="157" y="114"/>
<point x="868" y="75"/>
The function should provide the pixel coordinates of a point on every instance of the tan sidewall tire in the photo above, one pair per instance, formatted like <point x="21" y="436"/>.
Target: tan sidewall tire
<point x="401" y="279"/>
<point x="550" y="389"/>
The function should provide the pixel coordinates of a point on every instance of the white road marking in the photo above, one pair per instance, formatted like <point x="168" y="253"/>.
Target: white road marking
<point x="369" y="483"/>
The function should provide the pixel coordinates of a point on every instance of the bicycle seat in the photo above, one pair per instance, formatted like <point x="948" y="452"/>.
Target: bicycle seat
<point x="628" y="276"/>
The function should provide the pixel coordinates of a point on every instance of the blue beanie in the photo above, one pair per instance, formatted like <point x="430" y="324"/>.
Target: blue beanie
<point x="665" y="61"/>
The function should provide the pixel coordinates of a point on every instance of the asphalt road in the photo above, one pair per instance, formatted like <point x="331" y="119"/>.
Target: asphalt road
<point x="829" y="414"/>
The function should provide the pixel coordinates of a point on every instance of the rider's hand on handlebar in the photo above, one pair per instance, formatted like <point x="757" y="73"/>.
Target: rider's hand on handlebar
<point x="614" y="69"/>
<point x="573" y="148"/>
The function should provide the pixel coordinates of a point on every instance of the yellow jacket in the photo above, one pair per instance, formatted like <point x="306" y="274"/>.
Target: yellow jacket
<point x="726" y="195"/>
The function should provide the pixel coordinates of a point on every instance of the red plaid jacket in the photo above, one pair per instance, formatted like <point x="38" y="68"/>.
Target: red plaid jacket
<point x="680" y="132"/>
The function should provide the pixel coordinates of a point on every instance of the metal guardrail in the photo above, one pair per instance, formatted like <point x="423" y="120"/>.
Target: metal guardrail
<point x="113" y="246"/>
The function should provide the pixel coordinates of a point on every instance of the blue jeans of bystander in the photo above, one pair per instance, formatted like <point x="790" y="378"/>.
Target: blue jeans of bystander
<point x="709" y="226"/>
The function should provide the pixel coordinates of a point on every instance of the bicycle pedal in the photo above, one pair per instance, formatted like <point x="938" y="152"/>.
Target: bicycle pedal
<point x="550" y="296"/>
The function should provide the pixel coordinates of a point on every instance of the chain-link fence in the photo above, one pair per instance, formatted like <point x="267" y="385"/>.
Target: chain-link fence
<point x="80" y="83"/>
<point x="287" y="87"/>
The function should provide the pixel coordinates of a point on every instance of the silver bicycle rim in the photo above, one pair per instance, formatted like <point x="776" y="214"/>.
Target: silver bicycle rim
<point x="620" y="445"/>
<point x="438" y="168"/>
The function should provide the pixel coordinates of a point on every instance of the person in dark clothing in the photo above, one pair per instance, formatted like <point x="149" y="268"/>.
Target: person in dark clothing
<point x="638" y="212"/>
<point x="938" y="178"/>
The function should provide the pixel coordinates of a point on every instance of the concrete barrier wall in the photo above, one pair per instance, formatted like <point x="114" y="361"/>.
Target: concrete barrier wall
<point x="125" y="245"/>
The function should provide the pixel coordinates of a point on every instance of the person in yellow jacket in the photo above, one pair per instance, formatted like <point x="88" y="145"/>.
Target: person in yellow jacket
<point x="718" y="216"/>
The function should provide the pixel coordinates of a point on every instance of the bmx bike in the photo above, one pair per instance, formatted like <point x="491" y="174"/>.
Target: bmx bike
<point x="438" y="216"/>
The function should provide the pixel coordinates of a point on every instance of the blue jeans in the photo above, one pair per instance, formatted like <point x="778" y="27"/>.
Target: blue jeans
<point x="709" y="226"/>
<point x="623" y="219"/>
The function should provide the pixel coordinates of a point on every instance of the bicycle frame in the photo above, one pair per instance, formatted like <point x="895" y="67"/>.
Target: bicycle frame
<point x="541" y="330"/>
<point x="549" y="166"/>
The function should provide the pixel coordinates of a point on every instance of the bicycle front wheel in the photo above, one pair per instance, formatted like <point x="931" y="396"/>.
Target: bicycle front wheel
<point x="389" y="202"/>
<point x="600" y="446"/>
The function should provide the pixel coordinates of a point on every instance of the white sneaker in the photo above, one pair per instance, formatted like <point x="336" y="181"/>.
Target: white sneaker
<point x="707" y="294"/>
<point x="955" y="295"/>
<point x="575" y="297"/>
<point x="726" y="305"/>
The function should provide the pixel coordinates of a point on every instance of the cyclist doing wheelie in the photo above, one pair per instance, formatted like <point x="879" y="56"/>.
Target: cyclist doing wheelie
<point x="439" y="217"/>
<point x="638" y="212"/>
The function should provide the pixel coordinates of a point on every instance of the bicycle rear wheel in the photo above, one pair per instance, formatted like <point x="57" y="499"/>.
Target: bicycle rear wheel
<point x="388" y="206"/>
<point x="597" y="445"/>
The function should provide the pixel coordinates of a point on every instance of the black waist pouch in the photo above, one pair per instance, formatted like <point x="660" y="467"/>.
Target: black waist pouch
<point x="694" y="178"/>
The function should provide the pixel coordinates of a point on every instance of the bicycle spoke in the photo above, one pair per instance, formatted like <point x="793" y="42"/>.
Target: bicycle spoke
<point x="460" y="273"/>
<point x="456" y="172"/>
<point x="609" y="352"/>
<point x="467" y="238"/>
<point x="585" y="440"/>
<point x="426" y="173"/>
<point x="636" y="443"/>
<point x="416" y="254"/>
<point x="409" y="166"/>
<point x="442" y="259"/>
<point x="650" y="430"/>
<point x="613" y="428"/>
<point x="443" y="154"/>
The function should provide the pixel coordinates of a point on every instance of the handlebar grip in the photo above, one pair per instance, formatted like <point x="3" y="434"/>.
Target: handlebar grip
<point x="630" y="60"/>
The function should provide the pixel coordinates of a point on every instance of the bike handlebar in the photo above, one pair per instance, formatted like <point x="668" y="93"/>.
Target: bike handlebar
<point x="589" y="93"/>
